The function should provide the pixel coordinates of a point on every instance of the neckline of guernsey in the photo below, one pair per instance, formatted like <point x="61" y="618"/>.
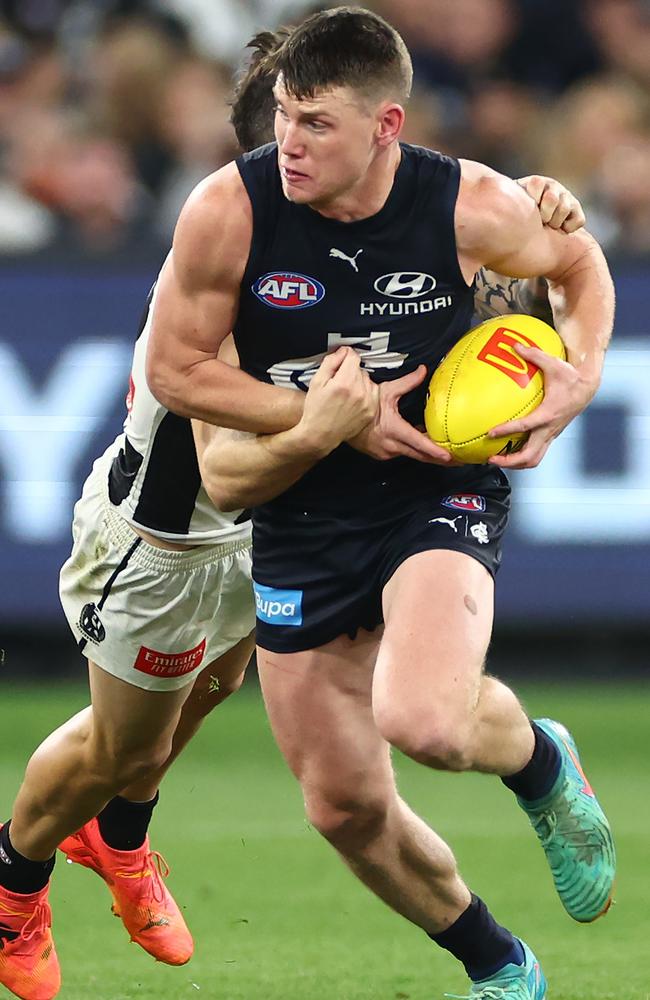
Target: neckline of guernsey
<point x="397" y="197"/>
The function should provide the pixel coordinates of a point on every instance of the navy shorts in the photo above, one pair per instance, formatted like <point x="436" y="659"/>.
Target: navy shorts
<point x="318" y="573"/>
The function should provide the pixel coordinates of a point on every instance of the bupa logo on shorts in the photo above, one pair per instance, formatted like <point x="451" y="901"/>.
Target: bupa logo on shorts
<point x="286" y="290"/>
<point x="405" y="284"/>
<point x="278" y="607"/>
<point x="91" y="624"/>
<point x="465" y="501"/>
<point x="152" y="661"/>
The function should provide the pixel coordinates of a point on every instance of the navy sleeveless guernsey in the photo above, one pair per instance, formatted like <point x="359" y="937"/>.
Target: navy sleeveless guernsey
<point x="389" y="285"/>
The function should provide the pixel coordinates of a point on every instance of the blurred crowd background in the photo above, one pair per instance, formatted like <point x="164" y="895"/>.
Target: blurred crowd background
<point x="111" y="110"/>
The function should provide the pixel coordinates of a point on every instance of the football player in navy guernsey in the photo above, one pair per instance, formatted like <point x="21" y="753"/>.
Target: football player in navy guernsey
<point x="157" y="540"/>
<point x="374" y="569"/>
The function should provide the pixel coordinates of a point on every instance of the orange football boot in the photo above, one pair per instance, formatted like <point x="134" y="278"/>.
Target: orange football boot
<point x="29" y="966"/>
<point x="140" y="896"/>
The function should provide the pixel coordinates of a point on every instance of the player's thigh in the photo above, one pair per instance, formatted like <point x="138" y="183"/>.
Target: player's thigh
<point x="438" y="609"/>
<point x="319" y="704"/>
<point x="223" y="675"/>
<point x="128" y="720"/>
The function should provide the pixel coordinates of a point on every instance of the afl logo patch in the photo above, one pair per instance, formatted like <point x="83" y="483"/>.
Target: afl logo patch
<point x="286" y="290"/>
<point x="405" y="284"/>
<point x="465" y="501"/>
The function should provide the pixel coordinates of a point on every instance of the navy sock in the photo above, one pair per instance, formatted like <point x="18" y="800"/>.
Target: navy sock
<point x="123" y="824"/>
<point x="479" y="942"/>
<point x="19" y="874"/>
<point x="537" y="778"/>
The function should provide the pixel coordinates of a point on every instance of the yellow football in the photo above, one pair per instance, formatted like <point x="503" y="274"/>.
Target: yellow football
<point x="483" y="382"/>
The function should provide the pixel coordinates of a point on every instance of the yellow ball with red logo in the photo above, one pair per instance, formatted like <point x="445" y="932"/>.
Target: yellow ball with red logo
<point x="483" y="382"/>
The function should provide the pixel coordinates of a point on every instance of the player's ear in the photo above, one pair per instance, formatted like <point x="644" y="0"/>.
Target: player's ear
<point x="390" y="119"/>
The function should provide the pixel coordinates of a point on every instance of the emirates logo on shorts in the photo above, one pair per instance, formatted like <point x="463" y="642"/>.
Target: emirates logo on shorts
<point x="151" y="661"/>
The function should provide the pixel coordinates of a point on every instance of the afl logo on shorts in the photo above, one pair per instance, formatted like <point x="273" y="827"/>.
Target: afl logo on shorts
<point x="465" y="501"/>
<point x="286" y="290"/>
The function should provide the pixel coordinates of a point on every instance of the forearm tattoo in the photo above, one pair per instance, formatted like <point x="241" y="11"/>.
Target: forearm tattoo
<point x="496" y="295"/>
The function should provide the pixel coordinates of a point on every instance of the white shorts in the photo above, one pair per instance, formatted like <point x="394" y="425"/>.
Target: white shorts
<point x="147" y="615"/>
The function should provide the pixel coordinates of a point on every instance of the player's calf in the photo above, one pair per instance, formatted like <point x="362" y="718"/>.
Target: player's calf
<point x="349" y="826"/>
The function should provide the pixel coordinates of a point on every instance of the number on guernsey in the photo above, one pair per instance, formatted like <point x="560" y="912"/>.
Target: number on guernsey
<point x="372" y="349"/>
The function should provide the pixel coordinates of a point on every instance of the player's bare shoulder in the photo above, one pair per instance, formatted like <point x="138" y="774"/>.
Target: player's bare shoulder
<point x="213" y="233"/>
<point x="489" y="203"/>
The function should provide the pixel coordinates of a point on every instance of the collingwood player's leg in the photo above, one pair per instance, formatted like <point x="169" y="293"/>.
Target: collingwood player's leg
<point x="142" y="668"/>
<point x="213" y="685"/>
<point x="127" y="736"/>
<point x="70" y="778"/>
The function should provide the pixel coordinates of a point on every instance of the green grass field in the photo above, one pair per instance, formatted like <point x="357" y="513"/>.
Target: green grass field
<point x="277" y="917"/>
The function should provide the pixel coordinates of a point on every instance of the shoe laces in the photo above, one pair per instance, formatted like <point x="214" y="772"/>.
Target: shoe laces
<point x="153" y="867"/>
<point x="160" y="870"/>
<point x="153" y="864"/>
<point x="37" y="923"/>
<point x="548" y="824"/>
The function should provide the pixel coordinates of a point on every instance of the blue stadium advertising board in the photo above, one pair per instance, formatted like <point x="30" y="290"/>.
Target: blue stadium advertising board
<point x="579" y="543"/>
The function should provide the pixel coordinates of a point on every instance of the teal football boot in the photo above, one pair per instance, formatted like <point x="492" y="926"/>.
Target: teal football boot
<point x="513" y="982"/>
<point x="575" y="834"/>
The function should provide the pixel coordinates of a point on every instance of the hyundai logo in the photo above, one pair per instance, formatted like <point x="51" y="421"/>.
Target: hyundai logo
<point x="405" y="284"/>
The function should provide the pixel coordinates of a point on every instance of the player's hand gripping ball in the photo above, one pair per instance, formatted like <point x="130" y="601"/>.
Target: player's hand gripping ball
<point x="483" y="382"/>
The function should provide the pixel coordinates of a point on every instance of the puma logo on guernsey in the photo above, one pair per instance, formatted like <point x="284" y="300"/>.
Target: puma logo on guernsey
<point x="352" y="261"/>
<point x="449" y="521"/>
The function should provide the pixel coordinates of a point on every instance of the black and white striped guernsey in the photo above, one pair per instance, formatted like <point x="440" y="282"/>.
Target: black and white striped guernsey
<point x="154" y="479"/>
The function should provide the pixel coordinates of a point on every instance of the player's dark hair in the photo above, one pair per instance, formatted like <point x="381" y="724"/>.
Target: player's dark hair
<point x="253" y="101"/>
<point x="345" y="47"/>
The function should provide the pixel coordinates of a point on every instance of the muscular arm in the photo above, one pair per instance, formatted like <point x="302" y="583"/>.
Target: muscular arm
<point x="242" y="470"/>
<point x="497" y="294"/>
<point x="195" y="309"/>
<point x="498" y="227"/>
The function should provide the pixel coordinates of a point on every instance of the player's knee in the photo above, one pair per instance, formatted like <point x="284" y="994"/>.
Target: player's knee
<point x="232" y="685"/>
<point x="348" y="825"/>
<point x="428" y="738"/>
<point x="212" y="691"/>
<point x="119" y="762"/>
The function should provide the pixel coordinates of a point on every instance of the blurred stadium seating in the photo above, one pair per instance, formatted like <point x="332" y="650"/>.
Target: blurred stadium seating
<point x="111" y="111"/>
